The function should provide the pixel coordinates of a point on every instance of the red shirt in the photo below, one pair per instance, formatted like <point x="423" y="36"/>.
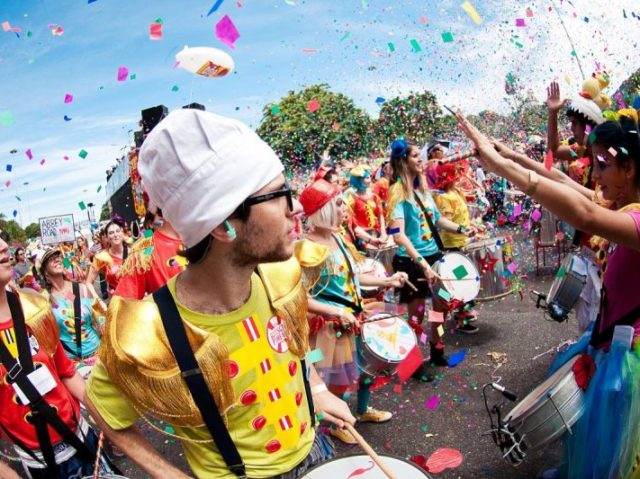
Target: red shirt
<point x="164" y="265"/>
<point x="13" y="416"/>
<point x="366" y="213"/>
<point x="381" y="188"/>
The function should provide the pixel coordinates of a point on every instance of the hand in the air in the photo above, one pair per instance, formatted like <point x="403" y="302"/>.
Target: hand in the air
<point x="554" y="101"/>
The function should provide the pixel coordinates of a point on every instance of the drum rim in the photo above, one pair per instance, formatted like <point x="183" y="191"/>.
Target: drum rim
<point x="537" y="405"/>
<point x="393" y="456"/>
<point x="482" y="243"/>
<point x="477" y="282"/>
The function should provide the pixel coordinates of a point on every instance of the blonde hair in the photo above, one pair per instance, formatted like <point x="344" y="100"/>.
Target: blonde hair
<point x="327" y="216"/>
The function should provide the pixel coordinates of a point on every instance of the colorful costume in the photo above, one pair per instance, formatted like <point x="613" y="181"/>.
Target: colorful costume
<point x="150" y="264"/>
<point x="366" y="213"/>
<point x="329" y="280"/>
<point x="453" y="205"/>
<point x="606" y="439"/>
<point x="107" y="264"/>
<point x="250" y="359"/>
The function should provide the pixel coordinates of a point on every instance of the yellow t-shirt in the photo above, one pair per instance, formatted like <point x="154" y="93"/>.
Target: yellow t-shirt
<point x="270" y="422"/>
<point x="453" y="205"/>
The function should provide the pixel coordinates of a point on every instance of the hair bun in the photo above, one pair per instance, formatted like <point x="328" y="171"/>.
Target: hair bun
<point x="399" y="148"/>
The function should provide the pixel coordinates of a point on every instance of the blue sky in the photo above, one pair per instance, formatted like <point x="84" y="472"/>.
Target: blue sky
<point x="350" y="40"/>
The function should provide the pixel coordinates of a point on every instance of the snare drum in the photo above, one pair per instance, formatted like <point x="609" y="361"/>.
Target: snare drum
<point x="462" y="281"/>
<point x="545" y="414"/>
<point x="364" y="467"/>
<point x="385" y="342"/>
<point x="384" y="255"/>
<point x="487" y="257"/>
<point x="376" y="268"/>
<point x="566" y="288"/>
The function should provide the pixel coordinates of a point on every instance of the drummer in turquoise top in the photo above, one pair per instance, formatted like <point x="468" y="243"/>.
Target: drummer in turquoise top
<point x="61" y="297"/>
<point x="335" y="301"/>
<point x="419" y="247"/>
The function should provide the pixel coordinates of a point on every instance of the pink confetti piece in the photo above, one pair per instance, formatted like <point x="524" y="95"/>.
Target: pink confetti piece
<point x="29" y="154"/>
<point x="7" y="184"/>
<point x="57" y="31"/>
<point x="397" y="388"/>
<point x="6" y="26"/>
<point x="432" y="403"/>
<point x="517" y="209"/>
<point x="423" y="338"/>
<point x="227" y="32"/>
<point x="155" y="31"/>
<point x="435" y="317"/>
<point x="612" y="151"/>
<point x="310" y="50"/>
<point x="313" y="105"/>
<point x="123" y="73"/>
<point x="512" y="267"/>
<point x="520" y="22"/>
<point x="536" y="215"/>
<point x="68" y="98"/>
<point x="548" y="160"/>
<point x="42" y="161"/>
<point x="444" y="458"/>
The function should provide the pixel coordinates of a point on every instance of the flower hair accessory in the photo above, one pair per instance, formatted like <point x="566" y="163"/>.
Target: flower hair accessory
<point x="399" y="149"/>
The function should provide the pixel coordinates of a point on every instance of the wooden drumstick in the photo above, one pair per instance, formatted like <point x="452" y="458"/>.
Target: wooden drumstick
<point x="410" y="284"/>
<point x="451" y="279"/>
<point x="369" y="450"/>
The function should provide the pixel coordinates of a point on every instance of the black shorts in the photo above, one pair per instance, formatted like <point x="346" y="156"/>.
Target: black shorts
<point x="405" y="264"/>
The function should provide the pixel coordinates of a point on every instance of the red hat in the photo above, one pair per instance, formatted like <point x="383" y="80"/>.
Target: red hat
<point x="318" y="194"/>
<point x="322" y="172"/>
<point x="448" y="172"/>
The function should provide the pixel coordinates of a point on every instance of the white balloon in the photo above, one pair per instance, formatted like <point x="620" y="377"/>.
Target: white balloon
<point x="205" y="61"/>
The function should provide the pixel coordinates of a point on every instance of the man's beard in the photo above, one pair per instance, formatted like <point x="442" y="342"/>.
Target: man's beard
<point x="250" y="249"/>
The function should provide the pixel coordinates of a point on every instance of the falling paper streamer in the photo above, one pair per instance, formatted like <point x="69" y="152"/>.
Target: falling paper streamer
<point x="227" y="32"/>
<point x="123" y="73"/>
<point x="471" y="11"/>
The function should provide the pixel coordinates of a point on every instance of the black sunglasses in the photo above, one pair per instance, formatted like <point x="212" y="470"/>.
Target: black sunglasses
<point x="254" y="200"/>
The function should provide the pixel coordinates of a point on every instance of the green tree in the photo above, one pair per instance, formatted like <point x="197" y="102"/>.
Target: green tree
<point x="15" y="232"/>
<point x="417" y="118"/>
<point x="32" y="230"/>
<point x="105" y="212"/>
<point x="303" y="124"/>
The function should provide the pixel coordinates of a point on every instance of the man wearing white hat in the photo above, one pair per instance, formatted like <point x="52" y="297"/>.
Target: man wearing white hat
<point x="219" y="352"/>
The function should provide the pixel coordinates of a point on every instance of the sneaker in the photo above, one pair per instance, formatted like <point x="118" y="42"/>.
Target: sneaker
<point x="438" y="358"/>
<point x="467" y="329"/>
<point x="374" y="415"/>
<point x="422" y="374"/>
<point x="344" y="435"/>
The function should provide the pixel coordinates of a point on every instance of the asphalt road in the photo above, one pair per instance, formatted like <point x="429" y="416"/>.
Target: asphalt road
<point x="457" y="418"/>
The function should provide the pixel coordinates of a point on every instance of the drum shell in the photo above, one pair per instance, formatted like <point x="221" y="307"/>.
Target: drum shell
<point x="384" y="255"/>
<point x="492" y="282"/>
<point x="566" y="290"/>
<point x="342" y="467"/>
<point x="374" y="364"/>
<point x="557" y="405"/>
<point x="376" y="268"/>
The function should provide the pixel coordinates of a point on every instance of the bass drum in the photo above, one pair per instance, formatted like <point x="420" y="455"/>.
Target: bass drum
<point x="362" y="467"/>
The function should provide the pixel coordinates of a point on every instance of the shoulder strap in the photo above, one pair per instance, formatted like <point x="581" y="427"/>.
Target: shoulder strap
<point x="351" y="272"/>
<point x="77" y="313"/>
<point x="195" y="381"/>
<point x="598" y="338"/>
<point x="434" y="231"/>
<point x="125" y="252"/>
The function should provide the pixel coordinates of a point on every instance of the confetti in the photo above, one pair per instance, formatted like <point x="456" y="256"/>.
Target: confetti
<point x="68" y="98"/>
<point x="29" y="154"/>
<point x="520" y="22"/>
<point x="447" y="37"/>
<point x="460" y="272"/>
<point x="9" y="167"/>
<point x="391" y="47"/>
<point x="457" y="358"/>
<point x="432" y="403"/>
<point x="155" y="31"/>
<point x="471" y="11"/>
<point x="83" y="154"/>
<point x="409" y="364"/>
<point x="6" y="118"/>
<point x="42" y="161"/>
<point x="215" y="7"/>
<point x="415" y="45"/>
<point x="67" y="118"/>
<point x="435" y="317"/>
<point x="123" y="73"/>
<point x="175" y="88"/>
<point x="315" y="356"/>
<point x="548" y="160"/>
<point x="275" y="110"/>
<point x="226" y="31"/>
<point x="443" y="458"/>
<point x="99" y="189"/>
<point x="82" y="206"/>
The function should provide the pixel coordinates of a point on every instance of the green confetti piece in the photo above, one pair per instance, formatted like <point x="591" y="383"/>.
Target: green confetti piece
<point x="6" y="118"/>
<point x="460" y="272"/>
<point x="148" y="233"/>
<point x="315" y="356"/>
<point x="447" y="37"/>
<point x="83" y="154"/>
<point x="624" y="151"/>
<point x="415" y="45"/>
<point x="18" y="198"/>
<point x="519" y="45"/>
<point x="99" y="189"/>
<point x="169" y="429"/>
<point x="444" y="294"/>
<point x="346" y="36"/>
<point x="573" y="154"/>
<point x="82" y="206"/>
<point x="29" y="34"/>
<point x="592" y="138"/>
<point x="392" y="47"/>
<point x="573" y="53"/>
<point x="132" y="76"/>
<point x="275" y="110"/>
<point x="66" y="263"/>
<point x="158" y="20"/>
<point x="175" y="88"/>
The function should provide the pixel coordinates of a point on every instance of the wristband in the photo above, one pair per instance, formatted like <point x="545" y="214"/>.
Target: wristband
<point x="318" y="388"/>
<point x="419" y="259"/>
<point x="533" y="183"/>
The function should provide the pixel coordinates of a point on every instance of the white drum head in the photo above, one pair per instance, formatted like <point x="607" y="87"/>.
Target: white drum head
<point x="371" y="266"/>
<point x="344" y="467"/>
<point x="389" y="338"/>
<point x="463" y="276"/>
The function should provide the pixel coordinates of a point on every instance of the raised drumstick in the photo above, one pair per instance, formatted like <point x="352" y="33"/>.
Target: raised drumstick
<point x="369" y="450"/>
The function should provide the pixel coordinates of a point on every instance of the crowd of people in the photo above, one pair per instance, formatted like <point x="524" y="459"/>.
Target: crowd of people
<point x="207" y="320"/>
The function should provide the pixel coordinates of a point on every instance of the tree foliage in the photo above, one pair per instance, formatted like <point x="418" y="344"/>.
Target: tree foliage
<point x="299" y="132"/>
<point x="417" y="118"/>
<point x="14" y="230"/>
<point x="32" y="230"/>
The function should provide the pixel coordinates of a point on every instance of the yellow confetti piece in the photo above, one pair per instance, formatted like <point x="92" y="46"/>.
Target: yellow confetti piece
<point x="440" y="331"/>
<point x="567" y="79"/>
<point x="471" y="11"/>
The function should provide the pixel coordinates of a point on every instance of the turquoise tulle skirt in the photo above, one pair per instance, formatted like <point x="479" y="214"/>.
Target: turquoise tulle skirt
<point x="605" y="443"/>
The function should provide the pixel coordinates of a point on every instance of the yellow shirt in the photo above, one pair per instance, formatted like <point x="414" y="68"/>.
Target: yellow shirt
<point x="453" y="205"/>
<point x="269" y="423"/>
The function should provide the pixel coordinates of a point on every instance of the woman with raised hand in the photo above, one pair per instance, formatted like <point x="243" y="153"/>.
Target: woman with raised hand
<point x="413" y="217"/>
<point x="603" y="444"/>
